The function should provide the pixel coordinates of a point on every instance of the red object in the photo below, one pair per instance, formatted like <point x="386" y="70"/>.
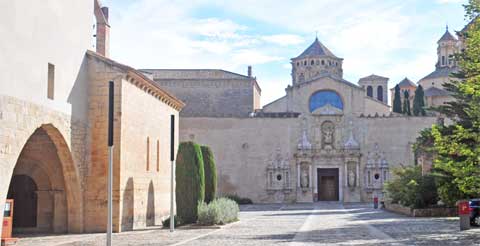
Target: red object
<point x="375" y="199"/>
<point x="7" y="219"/>
<point x="463" y="208"/>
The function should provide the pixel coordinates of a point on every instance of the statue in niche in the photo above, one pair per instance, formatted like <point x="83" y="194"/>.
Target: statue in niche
<point x="328" y="130"/>
<point x="352" y="177"/>
<point x="304" y="178"/>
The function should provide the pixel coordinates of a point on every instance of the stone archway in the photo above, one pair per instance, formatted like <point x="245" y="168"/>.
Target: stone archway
<point x="46" y="162"/>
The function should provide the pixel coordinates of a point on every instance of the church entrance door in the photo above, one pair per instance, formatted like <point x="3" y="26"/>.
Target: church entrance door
<point x="327" y="184"/>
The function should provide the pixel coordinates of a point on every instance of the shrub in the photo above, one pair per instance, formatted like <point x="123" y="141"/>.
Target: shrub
<point x="411" y="189"/>
<point x="210" y="174"/>
<point x="166" y="222"/>
<point x="218" y="212"/>
<point x="190" y="181"/>
<point x="239" y="200"/>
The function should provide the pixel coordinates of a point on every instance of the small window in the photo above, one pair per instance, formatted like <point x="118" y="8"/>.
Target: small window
<point x="298" y="64"/>
<point x="304" y="63"/>
<point x="443" y="60"/>
<point x="51" y="81"/>
<point x="380" y="93"/>
<point x="158" y="155"/>
<point x="312" y="63"/>
<point x="148" y="153"/>
<point x="329" y="63"/>
<point x="369" y="91"/>
<point x="323" y="62"/>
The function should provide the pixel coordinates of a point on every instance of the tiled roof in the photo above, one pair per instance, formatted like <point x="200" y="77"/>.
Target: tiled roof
<point x="316" y="49"/>
<point x="447" y="36"/>
<point x="139" y="76"/>
<point x="373" y="77"/>
<point x="434" y="91"/>
<point x="440" y="72"/>
<point x="406" y="83"/>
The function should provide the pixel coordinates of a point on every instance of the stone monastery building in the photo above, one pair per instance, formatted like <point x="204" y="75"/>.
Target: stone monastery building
<point x="327" y="139"/>
<point x="53" y="124"/>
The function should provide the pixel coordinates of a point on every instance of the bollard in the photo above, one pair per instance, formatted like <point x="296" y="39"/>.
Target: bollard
<point x="375" y="202"/>
<point x="464" y="214"/>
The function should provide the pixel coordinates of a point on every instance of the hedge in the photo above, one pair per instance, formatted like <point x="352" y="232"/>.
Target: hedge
<point x="210" y="174"/>
<point x="190" y="181"/>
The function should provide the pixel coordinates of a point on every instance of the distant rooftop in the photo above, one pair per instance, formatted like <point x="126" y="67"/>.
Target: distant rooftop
<point x="316" y="49"/>
<point x="447" y="36"/>
<point x="406" y="83"/>
<point x="434" y="91"/>
<point x="159" y="74"/>
<point x="373" y="77"/>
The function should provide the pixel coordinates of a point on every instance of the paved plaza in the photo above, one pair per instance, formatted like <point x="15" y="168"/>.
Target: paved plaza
<point x="292" y="225"/>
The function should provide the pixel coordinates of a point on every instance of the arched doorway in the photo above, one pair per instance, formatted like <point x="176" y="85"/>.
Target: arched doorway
<point x="45" y="186"/>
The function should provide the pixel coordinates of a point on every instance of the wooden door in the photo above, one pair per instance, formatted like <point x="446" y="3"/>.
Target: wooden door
<point x="327" y="184"/>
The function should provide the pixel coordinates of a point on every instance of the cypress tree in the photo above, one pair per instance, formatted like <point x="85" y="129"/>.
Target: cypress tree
<point x="210" y="174"/>
<point x="190" y="181"/>
<point x="419" y="102"/>
<point x="406" y="103"/>
<point x="397" y="103"/>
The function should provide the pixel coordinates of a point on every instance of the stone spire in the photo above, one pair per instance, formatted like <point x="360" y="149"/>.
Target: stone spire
<point x="351" y="143"/>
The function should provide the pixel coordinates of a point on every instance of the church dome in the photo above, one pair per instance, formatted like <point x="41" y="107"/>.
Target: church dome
<point x="316" y="49"/>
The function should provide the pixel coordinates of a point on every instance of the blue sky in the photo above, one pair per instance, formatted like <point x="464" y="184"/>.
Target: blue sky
<point x="392" y="38"/>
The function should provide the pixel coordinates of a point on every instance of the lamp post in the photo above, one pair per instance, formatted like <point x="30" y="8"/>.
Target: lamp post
<point x="110" y="162"/>
<point x="172" y="170"/>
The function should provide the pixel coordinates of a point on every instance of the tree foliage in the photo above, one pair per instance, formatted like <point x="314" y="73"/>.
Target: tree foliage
<point x="419" y="102"/>
<point x="406" y="103"/>
<point x="411" y="189"/>
<point x="397" y="102"/>
<point x="457" y="145"/>
<point x="210" y="174"/>
<point x="190" y="181"/>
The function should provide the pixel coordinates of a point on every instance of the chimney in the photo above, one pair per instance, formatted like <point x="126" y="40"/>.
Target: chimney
<point x="103" y="30"/>
<point x="250" y="71"/>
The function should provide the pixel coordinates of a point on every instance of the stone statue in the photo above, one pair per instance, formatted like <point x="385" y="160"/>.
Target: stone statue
<point x="304" y="178"/>
<point x="351" y="178"/>
<point x="328" y="130"/>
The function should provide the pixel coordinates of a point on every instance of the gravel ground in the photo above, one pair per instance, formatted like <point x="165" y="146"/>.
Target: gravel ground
<point x="292" y="224"/>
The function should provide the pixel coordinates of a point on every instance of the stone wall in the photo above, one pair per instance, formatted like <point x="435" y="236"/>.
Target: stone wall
<point x="243" y="148"/>
<point x="145" y="158"/>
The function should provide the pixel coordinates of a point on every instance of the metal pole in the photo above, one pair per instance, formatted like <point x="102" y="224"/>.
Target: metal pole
<point x="110" y="161"/>
<point x="172" y="171"/>
<point x="110" y="177"/>
<point x="172" y="217"/>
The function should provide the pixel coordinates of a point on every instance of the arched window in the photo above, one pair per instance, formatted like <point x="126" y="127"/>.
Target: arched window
<point x="443" y="60"/>
<point x="304" y="63"/>
<point x="369" y="91"/>
<point x="312" y="63"/>
<point x="298" y="64"/>
<point x="323" y="62"/>
<point x="380" y="93"/>
<point x="323" y="98"/>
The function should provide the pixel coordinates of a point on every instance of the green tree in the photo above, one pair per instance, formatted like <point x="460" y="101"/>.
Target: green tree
<point x="190" y="181"/>
<point x="210" y="174"/>
<point x="419" y="102"/>
<point x="458" y="145"/>
<point x="406" y="103"/>
<point x="397" y="102"/>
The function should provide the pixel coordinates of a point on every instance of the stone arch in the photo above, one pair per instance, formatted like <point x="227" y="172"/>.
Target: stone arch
<point x="46" y="158"/>
<point x="370" y="91"/>
<point x="380" y="93"/>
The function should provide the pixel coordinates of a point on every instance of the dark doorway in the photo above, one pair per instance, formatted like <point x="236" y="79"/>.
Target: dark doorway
<point x="23" y="190"/>
<point x="327" y="183"/>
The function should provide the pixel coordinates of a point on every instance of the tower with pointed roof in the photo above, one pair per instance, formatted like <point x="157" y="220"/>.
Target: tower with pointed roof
<point x="447" y="47"/>
<point x="315" y="61"/>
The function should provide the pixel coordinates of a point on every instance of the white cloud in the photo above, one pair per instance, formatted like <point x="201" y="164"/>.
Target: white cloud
<point x="283" y="39"/>
<point x="382" y="37"/>
<point x="450" y="1"/>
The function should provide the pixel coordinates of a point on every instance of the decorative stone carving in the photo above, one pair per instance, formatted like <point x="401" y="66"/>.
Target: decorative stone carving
<point x="278" y="172"/>
<point x="376" y="170"/>
<point x="352" y="174"/>
<point x="328" y="109"/>
<point x="328" y="132"/>
<point x="351" y="143"/>
<point x="304" y="177"/>
<point x="304" y="144"/>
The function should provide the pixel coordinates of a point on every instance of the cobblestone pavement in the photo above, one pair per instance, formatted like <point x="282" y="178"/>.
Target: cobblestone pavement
<point x="293" y="225"/>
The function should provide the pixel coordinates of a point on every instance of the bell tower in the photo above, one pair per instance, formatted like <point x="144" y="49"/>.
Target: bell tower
<point x="315" y="61"/>
<point x="447" y="47"/>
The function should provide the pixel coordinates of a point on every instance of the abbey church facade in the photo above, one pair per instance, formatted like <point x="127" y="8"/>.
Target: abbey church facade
<point x="327" y="139"/>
